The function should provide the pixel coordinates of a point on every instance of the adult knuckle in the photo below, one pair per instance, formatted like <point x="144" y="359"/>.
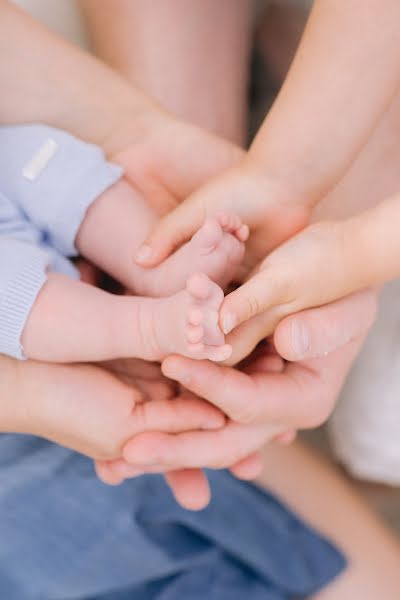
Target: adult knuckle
<point x="253" y="305"/>
<point x="225" y="460"/>
<point x="246" y="413"/>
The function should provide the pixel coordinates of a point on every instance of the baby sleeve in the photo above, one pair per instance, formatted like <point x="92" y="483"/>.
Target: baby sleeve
<point x="25" y="258"/>
<point x="53" y="177"/>
<point x="22" y="275"/>
<point x="23" y="266"/>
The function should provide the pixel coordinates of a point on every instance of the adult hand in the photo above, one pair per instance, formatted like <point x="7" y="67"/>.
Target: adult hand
<point x="166" y="159"/>
<point x="308" y="333"/>
<point x="263" y="398"/>
<point x="95" y="411"/>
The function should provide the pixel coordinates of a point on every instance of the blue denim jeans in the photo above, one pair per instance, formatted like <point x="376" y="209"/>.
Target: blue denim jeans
<point x="66" y="536"/>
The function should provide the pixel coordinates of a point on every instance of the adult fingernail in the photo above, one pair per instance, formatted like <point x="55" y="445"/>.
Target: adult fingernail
<point x="300" y="339"/>
<point x="143" y="254"/>
<point x="228" y="322"/>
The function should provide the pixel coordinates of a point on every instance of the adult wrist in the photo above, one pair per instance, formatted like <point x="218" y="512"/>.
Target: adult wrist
<point x="127" y="127"/>
<point x="109" y="124"/>
<point x="278" y="184"/>
<point x="73" y="91"/>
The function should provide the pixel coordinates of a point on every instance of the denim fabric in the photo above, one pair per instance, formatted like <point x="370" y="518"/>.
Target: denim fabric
<point x="66" y="536"/>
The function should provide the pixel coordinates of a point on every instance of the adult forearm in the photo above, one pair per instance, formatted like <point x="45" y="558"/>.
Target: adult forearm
<point x="45" y="79"/>
<point x="343" y="78"/>
<point x="190" y="56"/>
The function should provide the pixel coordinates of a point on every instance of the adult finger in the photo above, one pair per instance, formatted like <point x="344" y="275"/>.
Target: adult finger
<point x="249" y="468"/>
<point x="256" y="395"/>
<point x="316" y="332"/>
<point x="180" y="414"/>
<point x="223" y="386"/>
<point x="170" y="232"/>
<point x="195" y="449"/>
<point x="262" y="292"/>
<point x="190" y="488"/>
<point x="300" y="396"/>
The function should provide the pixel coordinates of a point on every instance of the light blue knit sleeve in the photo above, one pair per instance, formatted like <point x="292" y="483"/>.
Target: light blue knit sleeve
<point x="22" y="275"/>
<point x="25" y="258"/>
<point x="53" y="177"/>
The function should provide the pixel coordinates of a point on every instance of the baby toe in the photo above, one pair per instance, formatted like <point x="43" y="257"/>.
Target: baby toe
<point x="243" y="233"/>
<point x="230" y="223"/>
<point x="199" y="286"/>
<point x="223" y="219"/>
<point x="236" y="223"/>
<point x="194" y="334"/>
<point x="208" y="236"/>
<point x="195" y="316"/>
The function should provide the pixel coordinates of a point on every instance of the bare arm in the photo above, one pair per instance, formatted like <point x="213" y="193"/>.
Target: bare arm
<point x="192" y="57"/>
<point x="345" y="73"/>
<point x="47" y="79"/>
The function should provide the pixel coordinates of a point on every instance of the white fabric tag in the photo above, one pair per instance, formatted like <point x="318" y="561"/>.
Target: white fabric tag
<point x="40" y="160"/>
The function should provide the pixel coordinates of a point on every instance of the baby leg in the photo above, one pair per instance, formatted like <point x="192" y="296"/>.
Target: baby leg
<point x="118" y="222"/>
<point x="75" y="322"/>
<point x="72" y="321"/>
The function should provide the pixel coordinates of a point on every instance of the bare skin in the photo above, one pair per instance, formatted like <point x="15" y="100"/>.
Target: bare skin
<point x="290" y="344"/>
<point x="320" y="495"/>
<point x="116" y="224"/>
<point x="91" y="409"/>
<point x="71" y="321"/>
<point x="300" y="153"/>
<point x="323" y="263"/>
<point x="149" y="50"/>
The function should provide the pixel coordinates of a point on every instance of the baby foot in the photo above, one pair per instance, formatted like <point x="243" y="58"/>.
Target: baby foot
<point x="203" y="334"/>
<point x="186" y="323"/>
<point x="217" y="250"/>
<point x="218" y="247"/>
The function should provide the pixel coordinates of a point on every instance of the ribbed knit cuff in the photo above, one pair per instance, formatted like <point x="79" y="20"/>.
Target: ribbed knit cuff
<point x="18" y="294"/>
